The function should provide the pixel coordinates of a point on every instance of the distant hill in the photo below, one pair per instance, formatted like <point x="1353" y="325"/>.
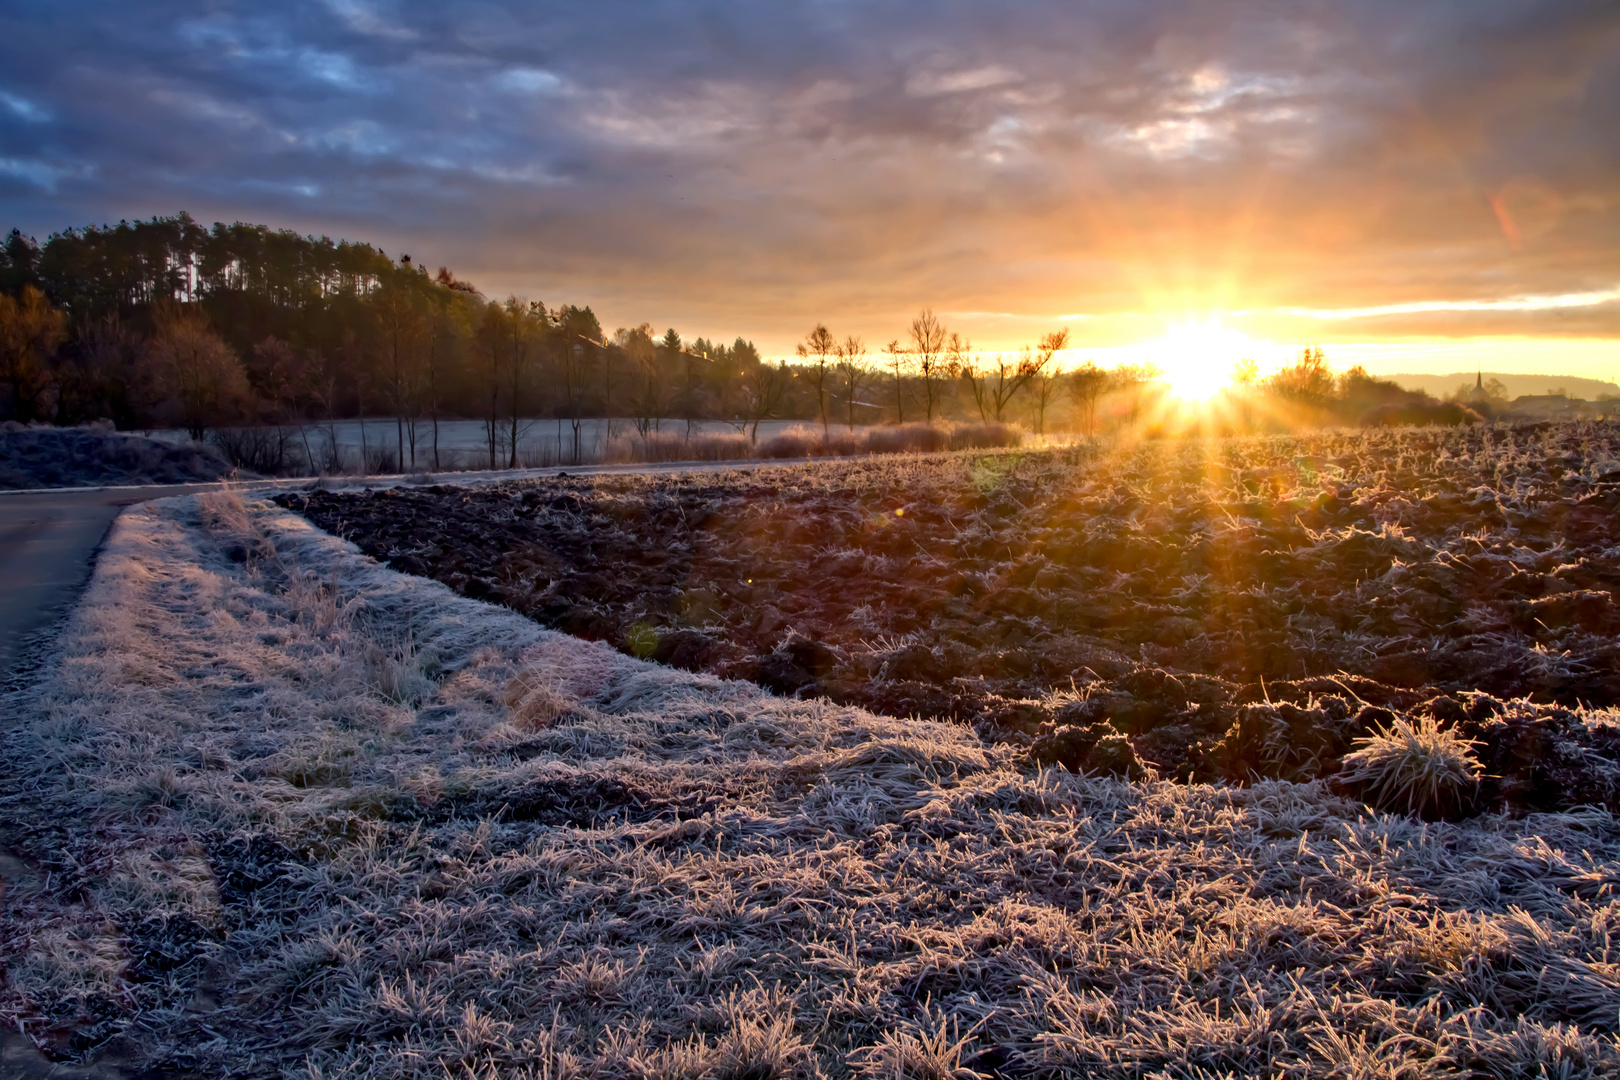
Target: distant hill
<point x="1443" y="386"/>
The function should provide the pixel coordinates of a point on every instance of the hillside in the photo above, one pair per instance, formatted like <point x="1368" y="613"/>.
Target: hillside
<point x="1442" y="386"/>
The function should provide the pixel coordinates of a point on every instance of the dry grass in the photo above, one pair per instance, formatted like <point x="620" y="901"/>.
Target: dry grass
<point x="1415" y="767"/>
<point x="297" y="815"/>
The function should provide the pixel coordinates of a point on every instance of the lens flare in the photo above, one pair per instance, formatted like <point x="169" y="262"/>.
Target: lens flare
<point x="1197" y="358"/>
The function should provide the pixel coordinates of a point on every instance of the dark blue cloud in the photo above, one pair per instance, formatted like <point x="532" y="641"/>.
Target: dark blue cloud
<point x="758" y="162"/>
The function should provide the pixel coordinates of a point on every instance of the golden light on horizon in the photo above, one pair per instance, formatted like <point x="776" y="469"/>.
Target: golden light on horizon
<point x="1197" y="358"/>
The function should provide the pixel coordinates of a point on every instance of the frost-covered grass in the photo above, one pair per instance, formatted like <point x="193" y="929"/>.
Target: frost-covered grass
<point x="283" y="812"/>
<point x="40" y="456"/>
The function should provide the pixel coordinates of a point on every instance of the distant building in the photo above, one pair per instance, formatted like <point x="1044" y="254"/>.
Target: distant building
<point x="1478" y="396"/>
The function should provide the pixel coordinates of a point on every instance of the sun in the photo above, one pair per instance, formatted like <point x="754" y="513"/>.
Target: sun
<point x="1197" y="358"/>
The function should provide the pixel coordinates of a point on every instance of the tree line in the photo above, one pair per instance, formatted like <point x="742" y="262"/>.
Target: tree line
<point x="165" y="323"/>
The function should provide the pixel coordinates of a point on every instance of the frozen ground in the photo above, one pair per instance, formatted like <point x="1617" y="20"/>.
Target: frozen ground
<point x="277" y="811"/>
<point x="53" y="457"/>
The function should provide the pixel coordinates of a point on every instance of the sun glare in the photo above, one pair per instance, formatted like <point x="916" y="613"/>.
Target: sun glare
<point x="1197" y="358"/>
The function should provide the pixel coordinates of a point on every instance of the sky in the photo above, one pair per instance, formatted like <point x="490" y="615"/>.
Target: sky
<point x="1420" y="186"/>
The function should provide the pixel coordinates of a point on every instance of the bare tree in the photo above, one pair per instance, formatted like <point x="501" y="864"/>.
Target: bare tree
<point x="274" y="374"/>
<point x="648" y="401"/>
<point x="970" y="369"/>
<point x="899" y="360"/>
<point x="1128" y="379"/>
<point x="352" y="359"/>
<point x="765" y="389"/>
<point x="1013" y="374"/>
<point x="1044" y="386"/>
<point x="526" y="324"/>
<point x="442" y="341"/>
<point x="321" y="377"/>
<point x="400" y="330"/>
<point x="818" y="346"/>
<point x="492" y="336"/>
<point x="196" y="368"/>
<point x="853" y="374"/>
<point x="578" y="345"/>
<point x="1086" y="384"/>
<point x="694" y="366"/>
<point x="928" y="339"/>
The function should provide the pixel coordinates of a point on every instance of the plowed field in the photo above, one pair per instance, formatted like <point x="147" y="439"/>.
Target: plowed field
<point x="1212" y="610"/>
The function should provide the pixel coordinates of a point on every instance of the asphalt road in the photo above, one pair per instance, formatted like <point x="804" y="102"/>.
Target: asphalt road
<point x="48" y="542"/>
<point x="49" y="538"/>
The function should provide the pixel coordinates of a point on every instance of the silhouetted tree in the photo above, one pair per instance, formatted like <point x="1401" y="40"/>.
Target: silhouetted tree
<point x="1086" y="385"/>
<point x="491" y="339"/>
<point x="766" y="388"/>
<point x="898" y="360"/>
<point x="647" y="397"/>
<point x="928" y="339"/>
<point x="853" y="374"/>
<point x="1013" y="373"/>
<point x="1044" y="386"/>
<point x="818" y="347"/>
<point x="19" y="263"/>
<point x="1308" y="379"/>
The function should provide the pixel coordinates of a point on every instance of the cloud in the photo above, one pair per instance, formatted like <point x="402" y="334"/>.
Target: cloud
<point x="1557" y="302"/>
<point x="733" y="167"/>
<point x="23" y="108"/>
<point x="932" y="84"/>
<point x="44" y="175"/>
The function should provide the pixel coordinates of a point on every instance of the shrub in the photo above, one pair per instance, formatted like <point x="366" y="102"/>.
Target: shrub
<point x="381" y="461"/>
<point x="268" y="451"/>
<point x="808" y="442"/>
<point x="1415" y="767"/>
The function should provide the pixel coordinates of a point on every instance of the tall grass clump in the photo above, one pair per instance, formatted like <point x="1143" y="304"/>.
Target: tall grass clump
<point x="656" y="446"/>
<point x="1414" y="767"/>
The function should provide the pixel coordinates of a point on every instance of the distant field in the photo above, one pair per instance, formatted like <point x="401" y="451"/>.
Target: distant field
<point x="1235" y="610"/>
<point x="276" y="811"/>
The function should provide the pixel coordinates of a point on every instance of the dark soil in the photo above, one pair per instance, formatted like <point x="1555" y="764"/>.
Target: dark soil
<point x="1230" y="610"/>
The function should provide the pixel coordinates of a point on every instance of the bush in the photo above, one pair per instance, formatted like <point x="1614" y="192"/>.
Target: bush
<point x="268" y="451"/>
<point x="381" y="461"/>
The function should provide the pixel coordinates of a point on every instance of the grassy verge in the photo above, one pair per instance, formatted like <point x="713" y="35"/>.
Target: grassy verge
<point x="278" y="811"/>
